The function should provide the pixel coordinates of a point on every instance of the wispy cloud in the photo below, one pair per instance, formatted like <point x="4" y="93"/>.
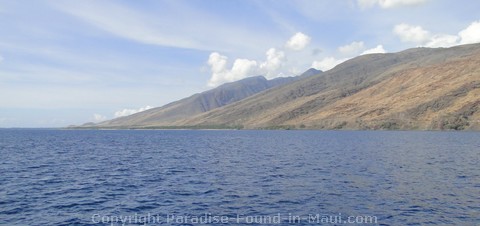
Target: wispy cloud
<point x="167" y="28"/>
<point x="124" y="22"/>
<point x="44" y="74"/>
<point x="66" y="56"/>
<point x="388" y="4"/>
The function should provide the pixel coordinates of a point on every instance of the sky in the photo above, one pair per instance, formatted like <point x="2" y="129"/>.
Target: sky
<point x="71" y="62"/>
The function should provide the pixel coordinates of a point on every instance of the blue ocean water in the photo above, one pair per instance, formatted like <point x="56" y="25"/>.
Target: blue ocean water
<point x="153" y="177"/>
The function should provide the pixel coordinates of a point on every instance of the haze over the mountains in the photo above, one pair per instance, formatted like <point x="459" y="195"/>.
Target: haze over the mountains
<point x="70" y="62"/>
<point x="415" y="89"/>
<point x="202" y="102"/>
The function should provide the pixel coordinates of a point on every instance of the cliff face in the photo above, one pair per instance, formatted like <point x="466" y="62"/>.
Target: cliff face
<point x="418" y="88"/>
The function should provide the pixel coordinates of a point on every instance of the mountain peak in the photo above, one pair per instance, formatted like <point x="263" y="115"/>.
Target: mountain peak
<point x="310" y="72"/>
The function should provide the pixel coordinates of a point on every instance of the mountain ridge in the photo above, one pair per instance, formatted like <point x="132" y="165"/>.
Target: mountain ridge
<point x="415" y="89"/>
<point x="201" y="102"/>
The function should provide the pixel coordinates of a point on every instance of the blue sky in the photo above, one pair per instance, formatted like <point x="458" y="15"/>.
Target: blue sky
<point x="70" y="62"/>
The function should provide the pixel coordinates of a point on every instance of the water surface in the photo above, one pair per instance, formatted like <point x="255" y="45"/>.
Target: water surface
<point x="55" y="177"/>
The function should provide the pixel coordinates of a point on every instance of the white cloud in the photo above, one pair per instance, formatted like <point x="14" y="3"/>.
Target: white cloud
<point x="275" y="60"/>
<point x="442" y="40"/>
<point x="243" y="68"/>
<point x="218" y="66"/>
<point x="298" y="41"/>
<point x="409" y="33"/>
<point x="422" y="37"/>
<point x="217" y="62"/>
<point x="378" y="49"/>
<point x="127" y="112"/>
<point x="327" y="63"/>
<point x="471" y="34"/>
<point x="220" y="73"/>
<point x="352" y="49"/>
<point x="99" y="117"/>
<point x="274" y="65"/>
<point x="388" y="4"/>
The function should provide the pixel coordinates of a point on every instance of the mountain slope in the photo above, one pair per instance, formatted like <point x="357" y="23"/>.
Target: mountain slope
<point x="415" y="89"/>
<point x="418" y="88"/>
<point x="202" y="102"/>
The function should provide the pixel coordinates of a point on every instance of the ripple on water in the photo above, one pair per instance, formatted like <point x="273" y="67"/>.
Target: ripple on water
<point x="54" y="177"/>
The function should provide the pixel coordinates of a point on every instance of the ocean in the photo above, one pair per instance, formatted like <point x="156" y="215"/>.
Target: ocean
<point x="238" y="177"/>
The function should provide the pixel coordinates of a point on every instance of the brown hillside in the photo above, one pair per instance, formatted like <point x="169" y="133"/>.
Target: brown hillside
<point x="420" y="88"/>
<point x="415" y="89"/>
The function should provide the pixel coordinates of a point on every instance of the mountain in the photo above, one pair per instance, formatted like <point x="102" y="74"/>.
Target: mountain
<point x="419" y="88"/>
<point x="202" y="102"/>
<point x="416" y="89"/>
